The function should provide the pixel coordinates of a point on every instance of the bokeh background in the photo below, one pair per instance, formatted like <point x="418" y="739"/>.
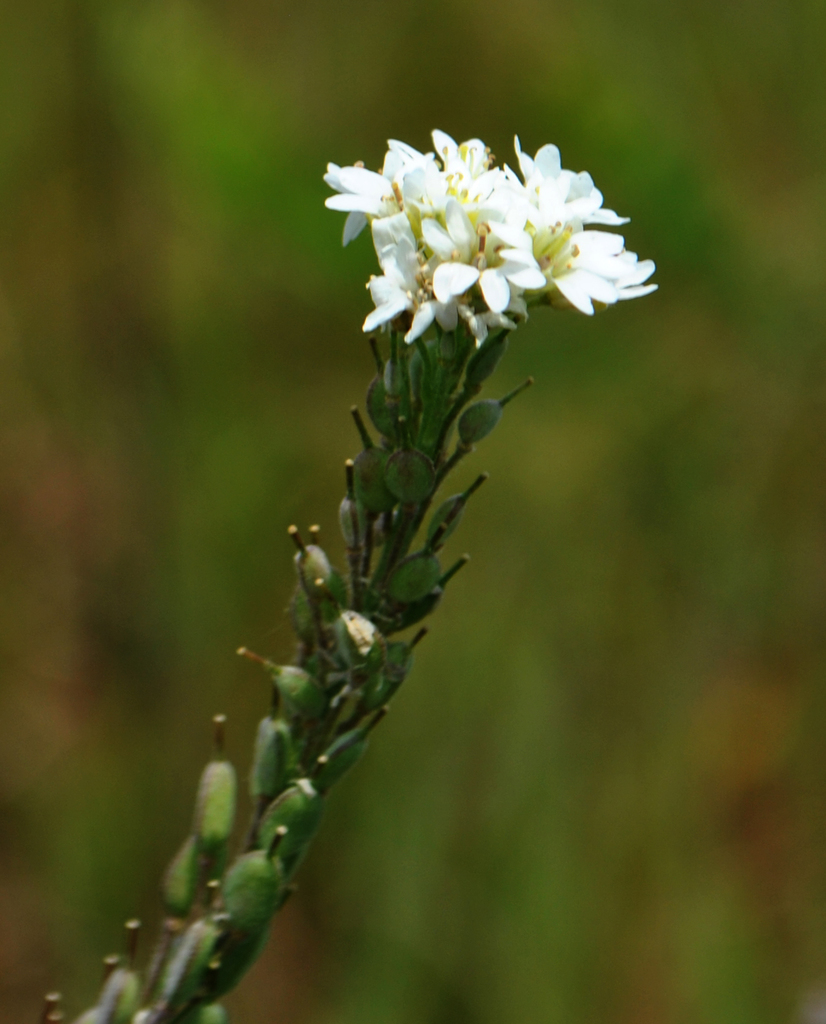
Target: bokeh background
<point x="602" y="793"/>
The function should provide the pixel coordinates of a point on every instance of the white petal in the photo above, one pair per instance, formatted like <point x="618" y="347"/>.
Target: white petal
<point x="354" y="225"/>
<point x="548" y="161"/>
<point x="359" y="179"/>
<point x="636" y="291"/>
<point x="437" y="238"/>
<point x="512" y="236"/>
<point x="531" y="278"/>
<point x="421" y="321"/>
<point x="525" y="162"/>
<point x="496" y="290"/>
<point x="575" y="292"/>
<point x="524" y="259"/>
<point x="333" y="177"/>
<point x="447" y="314"/>
<point x="460" y="228"/>
<point x="639" y="272"/>
<point x="349" y="201"/>
<point x="607" y="217"/>
<point x="452" y="279"/>
<point x="384" y="314"/>
<point x="391" y="230"/>
<point x="445" y="146"/>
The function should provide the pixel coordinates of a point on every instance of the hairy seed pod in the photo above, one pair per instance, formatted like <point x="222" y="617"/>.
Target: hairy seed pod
<point x="186" y="970"/>
<point x="478" y="420"/>
<point x="251" y="889"/>
<point x="215" y="807"/>
<point x="301" y="693"/>
<point x="272" y="759"/>
<point x="414" y="577"/>
<point x="377" y="408"/>
<point x="409" y="475"/>
<point x="120" y="997"/>
<point x="339" y="758"/>
<point x="302" y="616"/>
<point x="371" y="489"/>
<point x="180" y="882"/>
<point x="486" y="359"/>
<point x="299" y="810"/>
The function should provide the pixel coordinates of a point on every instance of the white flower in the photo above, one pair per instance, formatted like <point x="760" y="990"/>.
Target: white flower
<point x="458" y="237"/>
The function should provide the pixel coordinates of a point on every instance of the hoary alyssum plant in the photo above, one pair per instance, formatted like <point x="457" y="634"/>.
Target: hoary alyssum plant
<point x="466" y="249"/>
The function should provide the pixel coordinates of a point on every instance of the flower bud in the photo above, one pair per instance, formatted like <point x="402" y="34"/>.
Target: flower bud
<point x="486" y="359"/>
<point x="357" y="636"/>
<point x="120" y="998"/>
<point x="301" y="693"/>
<point x="250" y="890"/>
<point x="377" y="410"/>
<point x="180" y="882"/>
<point x="215" y="806"/>
<point x="414" y="577"/>
<point x="272" y="758"/>
<point x="299" y="809"/>
<point x="409" y="476"/>
<point x="371" y="489"/>
<point x="478" y="420"/>
<point x="185" y="971"/>
<point x="339" y="758"/>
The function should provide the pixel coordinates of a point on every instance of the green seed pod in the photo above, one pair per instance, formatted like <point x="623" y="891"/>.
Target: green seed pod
<point x="486" y="359"/>
<point x="478" y="420"/>
<point x="185" y="972"/>
<point x="301" y="693"/>
<point x="120" y="997"/>
<point x="339" y="758"/>
<point x="419" y="610"/>
<point x="371" y="489"/>
<point x="416" y="374"/>
<point x="250" y="890"/>
<point x="272" y="759"/>
<point x="399" y="660"/>
<point x="409" y="475"/>
<point x="414" y="577"/>
<point x="338" y="588"/>
<point x="215" y="806"/>
<point x="356" y="636"/>
<point x="377" y="408"/>
<point x="351" y="521"/>
<point x="453" y="507"/>
<point x="302" y="616"/>
<point x="299" y="809"/>
<point x="236" y="960"/>
<point x="180" y="882"/>
<point x="393" y="378"/>
<point x="381" y="686"/>
<point x="212" y="1014"/>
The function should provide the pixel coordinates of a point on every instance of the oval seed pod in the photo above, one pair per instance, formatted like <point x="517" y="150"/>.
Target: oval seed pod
<point x="409" y="475"/>
<point x="215" y="806"/>
<point x="312" y="564"/>
<point x="301" y="693"/>
<point x="377" y="408"/>
<point x="251" y="889"/>
<point x="478" y="420"/>
<point x="236" y="959"/>
<point x="381" y="686"/>
<point x="299" y="809"/>
<point x="418" y="610"/>
<point x="120" y="997"/>
<point x="486" y="359"/>
<point x="453" y="507"/>
<point x="351" y="521"/>
<point x="414" y="577"/>
<point x="272" y="759"/>
<point x="180" y="882"/>
<point x="338" y="588"/>
<point x="339" y="758"/>
<point x="185" y="972"/>
<point x="371" y="489"/>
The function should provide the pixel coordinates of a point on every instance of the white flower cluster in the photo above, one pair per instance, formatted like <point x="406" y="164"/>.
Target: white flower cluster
<point x="458" y="237"/>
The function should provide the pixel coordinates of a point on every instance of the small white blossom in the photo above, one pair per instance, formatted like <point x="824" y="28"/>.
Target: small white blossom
<point x="458" y="237"/>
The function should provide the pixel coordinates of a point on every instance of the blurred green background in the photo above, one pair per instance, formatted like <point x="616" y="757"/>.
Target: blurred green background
<point x="601" y="794"/>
